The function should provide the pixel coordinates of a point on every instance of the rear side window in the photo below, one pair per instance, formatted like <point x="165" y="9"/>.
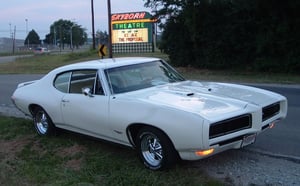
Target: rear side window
<point x="62" y="82"/>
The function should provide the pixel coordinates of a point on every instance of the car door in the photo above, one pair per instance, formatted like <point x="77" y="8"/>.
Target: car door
<point x="86" y="113"/>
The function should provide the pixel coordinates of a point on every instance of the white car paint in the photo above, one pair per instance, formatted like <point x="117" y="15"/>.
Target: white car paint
<point x="184" y="110"/>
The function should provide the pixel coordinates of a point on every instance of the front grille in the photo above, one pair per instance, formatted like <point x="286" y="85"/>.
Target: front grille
<point x="270" y="111"/>
<point x="230" y="125"/>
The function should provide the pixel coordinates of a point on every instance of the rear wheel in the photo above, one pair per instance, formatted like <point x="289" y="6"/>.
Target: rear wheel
<point x="155" y="149"/>
<point x="42" y="122"/>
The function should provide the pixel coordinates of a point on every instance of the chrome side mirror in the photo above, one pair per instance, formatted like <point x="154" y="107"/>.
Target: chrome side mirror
<point x="87" y="92"/>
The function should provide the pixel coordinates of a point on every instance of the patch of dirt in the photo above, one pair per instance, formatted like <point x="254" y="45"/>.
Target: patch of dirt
<point x="8" y="157"/>
<point x="73" y="153"/>
<point x="9" y="148"/>
<point x="74" y="164"/>
<point x="37" y="147"/>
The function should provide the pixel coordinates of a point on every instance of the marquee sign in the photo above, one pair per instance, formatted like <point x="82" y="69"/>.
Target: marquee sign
<point x="135" y="27"/>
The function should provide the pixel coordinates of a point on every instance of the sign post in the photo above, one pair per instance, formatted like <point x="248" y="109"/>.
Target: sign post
<point x="109" y="29"/>
<point x="102" y="51"/>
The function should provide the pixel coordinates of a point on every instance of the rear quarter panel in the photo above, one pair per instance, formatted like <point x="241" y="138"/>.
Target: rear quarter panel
<point x="40" y="93"/>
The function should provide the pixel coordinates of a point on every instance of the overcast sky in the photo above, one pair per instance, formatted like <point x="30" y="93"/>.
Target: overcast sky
<point x="41" y="14"/>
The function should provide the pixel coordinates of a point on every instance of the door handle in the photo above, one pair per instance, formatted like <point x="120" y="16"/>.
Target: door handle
<point x="65" y="101"/>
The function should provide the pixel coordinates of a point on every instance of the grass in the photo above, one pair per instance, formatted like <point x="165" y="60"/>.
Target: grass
<point x="73" y="159"/>
<point x="239" y="76"/>
<point x="43" y="64"/>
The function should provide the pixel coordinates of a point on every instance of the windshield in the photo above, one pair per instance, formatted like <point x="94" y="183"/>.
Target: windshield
<point x="139" y="76"/>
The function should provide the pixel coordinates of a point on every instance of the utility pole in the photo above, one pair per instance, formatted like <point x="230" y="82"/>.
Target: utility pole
<point x="109" y="30"/>
<point x="10" y="32"/>
<point x="71" y="37"/>
<point x="14" y="40"/>
<point x="11" y="36"/>
<point x="60" y="38"/>
<point x="54" y="31"/>
<point x="26" y="20"/>
<point x="93" y="25"/>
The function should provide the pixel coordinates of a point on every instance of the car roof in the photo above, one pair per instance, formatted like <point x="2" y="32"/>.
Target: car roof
<point x="107" y="63"/>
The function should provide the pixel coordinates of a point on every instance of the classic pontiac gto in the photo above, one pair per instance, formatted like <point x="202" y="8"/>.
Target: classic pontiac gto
<point x="146" y="104"/>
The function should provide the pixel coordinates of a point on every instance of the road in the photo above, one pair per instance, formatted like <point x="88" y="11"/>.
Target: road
<point x="282" y="140"/>
<point x="8" y="84"/>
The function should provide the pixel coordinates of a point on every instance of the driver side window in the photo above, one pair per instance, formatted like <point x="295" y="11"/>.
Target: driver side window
<point x="85" y="79"/>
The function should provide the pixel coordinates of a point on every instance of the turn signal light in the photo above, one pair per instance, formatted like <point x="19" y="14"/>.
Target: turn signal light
<point x="204" y="152"/>
<point x="272" y="125"/>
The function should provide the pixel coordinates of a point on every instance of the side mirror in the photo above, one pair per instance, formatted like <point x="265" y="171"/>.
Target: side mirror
<point x="87" y="92"/>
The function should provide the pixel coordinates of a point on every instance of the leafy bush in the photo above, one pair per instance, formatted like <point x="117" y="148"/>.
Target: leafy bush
<point x="219" y="34"/>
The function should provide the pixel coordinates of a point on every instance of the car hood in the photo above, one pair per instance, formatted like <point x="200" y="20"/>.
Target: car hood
<point x="207" y="99"/>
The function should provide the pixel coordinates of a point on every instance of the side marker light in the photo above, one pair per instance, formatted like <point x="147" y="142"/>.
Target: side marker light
<point x="204" y="152"/>
<point x="272" y="125"/>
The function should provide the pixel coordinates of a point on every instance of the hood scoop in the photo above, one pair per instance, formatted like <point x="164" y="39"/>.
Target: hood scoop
<point x="190" y="94"/>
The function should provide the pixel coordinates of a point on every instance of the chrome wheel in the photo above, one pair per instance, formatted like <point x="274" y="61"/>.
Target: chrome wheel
<point x="155" y="148"/>
<point x="41" y="122"/>
<point x="151" y="149"/>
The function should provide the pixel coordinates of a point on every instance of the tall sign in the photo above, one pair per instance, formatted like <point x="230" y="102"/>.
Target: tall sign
<point x="132" y="32"/>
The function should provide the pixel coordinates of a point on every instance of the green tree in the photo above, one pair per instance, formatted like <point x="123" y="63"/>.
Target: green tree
<point x="176" y="42"/>
<point x="66" y="32"/>
<point x="102" y="37"/>
<point x="259" y="35"/>
<point x="32" y="38"/>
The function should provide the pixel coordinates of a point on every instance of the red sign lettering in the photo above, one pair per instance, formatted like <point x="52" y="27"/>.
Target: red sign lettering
<point x="128" y="16"/>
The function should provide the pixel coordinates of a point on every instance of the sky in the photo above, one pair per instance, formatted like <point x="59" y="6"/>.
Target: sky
<point x="41" y="14"/>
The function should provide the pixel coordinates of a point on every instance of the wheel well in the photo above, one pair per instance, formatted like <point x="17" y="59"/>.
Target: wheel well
<point x="32" y="107"/>
<point x="133" y="130"/>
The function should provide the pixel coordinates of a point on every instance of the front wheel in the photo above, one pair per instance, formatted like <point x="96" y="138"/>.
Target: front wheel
<point x="155" y="149"/>
<point x="42" y="122"/>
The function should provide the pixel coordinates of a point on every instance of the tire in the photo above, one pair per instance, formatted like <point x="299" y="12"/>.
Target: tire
<point x="155" y="149"/>
<point x="43" y="123"/>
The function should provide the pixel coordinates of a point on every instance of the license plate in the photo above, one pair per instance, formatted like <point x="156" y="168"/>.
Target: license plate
<point x="247" y="140"/>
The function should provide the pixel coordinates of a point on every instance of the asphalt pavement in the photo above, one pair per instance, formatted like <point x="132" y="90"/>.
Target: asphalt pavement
<point x="283" y="139"/>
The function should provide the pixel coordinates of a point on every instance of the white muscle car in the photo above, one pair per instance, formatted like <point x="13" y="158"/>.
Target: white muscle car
<point x="144" y="103"/>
